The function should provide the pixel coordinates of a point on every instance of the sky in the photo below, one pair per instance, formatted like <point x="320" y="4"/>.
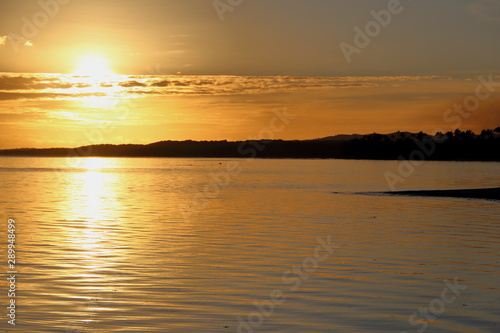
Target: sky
<point x="258" y="37"/>
<point x="440" y="48"/>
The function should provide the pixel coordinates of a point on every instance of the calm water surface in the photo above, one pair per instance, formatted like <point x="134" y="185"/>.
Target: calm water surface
<point x="154" y="245"/>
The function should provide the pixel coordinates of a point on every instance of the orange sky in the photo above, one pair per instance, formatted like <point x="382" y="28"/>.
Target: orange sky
<point x="65" y="110"/>
<point x="339" y="66"/>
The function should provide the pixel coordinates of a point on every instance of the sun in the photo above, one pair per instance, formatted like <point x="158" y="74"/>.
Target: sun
<point x="93" y="66"/>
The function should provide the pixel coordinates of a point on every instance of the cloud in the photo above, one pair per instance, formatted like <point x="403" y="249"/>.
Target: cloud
<point x="231" y="85"/>
<point x="9" y="82"/>
<point x="60" y="86"/>
<point x="163" y="83"/>
<point x="130" y="84"/>
<point x="24" y="42"/>
<point x="4" y="96"/>
<point x="486" y="10"/>
<point x="15" y="82"/>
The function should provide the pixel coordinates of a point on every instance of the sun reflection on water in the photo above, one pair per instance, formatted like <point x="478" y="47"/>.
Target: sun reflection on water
<point x="92" y="196"/>
<point x="93" y="241"/>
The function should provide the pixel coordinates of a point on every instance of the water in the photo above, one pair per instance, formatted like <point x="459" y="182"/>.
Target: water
<point x="135" y="245"/>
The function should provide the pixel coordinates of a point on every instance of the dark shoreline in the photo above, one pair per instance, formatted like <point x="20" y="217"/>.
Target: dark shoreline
<point x="480" y="193"/>
<point x="456" y="146"/>
<point x="247" y="158"/>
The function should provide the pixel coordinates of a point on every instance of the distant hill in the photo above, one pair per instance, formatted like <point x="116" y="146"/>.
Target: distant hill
<point x="347" y="137"/>
<point x="458" y="145"/>
<point x="341" y="137"/>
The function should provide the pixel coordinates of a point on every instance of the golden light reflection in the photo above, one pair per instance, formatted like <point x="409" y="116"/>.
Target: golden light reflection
<point x="92" y="196"/>
<point x="92" y="219"/>
<point x="93" y="204"/>
<point x="93" y="163"/>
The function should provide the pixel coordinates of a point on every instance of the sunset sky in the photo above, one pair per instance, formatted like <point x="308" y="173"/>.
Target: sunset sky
<point x="439" y="48"/>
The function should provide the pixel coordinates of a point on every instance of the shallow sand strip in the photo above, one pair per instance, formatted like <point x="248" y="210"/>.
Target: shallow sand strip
<point x="480" y="193"/>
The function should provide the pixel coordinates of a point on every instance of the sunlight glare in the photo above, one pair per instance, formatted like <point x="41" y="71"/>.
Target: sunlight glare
<point x="94" y="163"/>
<point x="93" y="66"/>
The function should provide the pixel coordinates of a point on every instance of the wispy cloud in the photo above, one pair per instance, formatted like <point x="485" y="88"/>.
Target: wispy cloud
<point x="21" y="41"/>
<point x="66" y="86"/>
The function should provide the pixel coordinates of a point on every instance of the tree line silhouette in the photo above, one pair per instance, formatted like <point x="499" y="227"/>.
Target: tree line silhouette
<point x="457" y="145"/>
